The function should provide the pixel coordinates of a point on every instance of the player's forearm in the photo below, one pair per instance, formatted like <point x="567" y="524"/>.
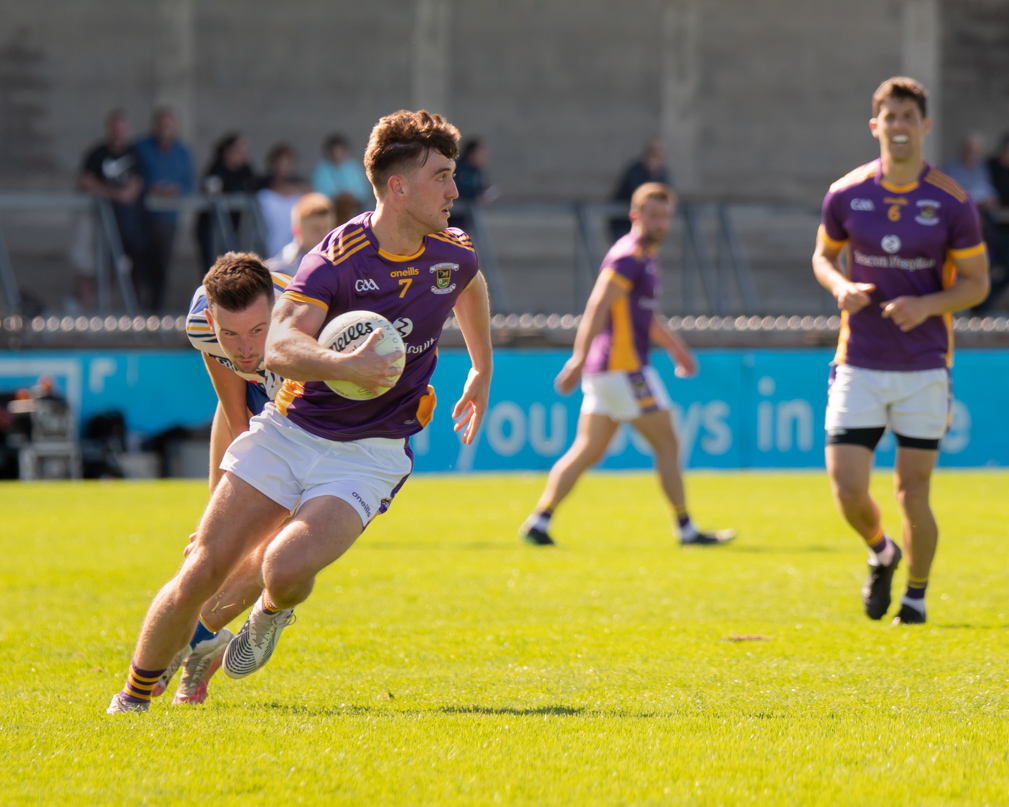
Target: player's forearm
<point x="299" y="357"/>
<point x="966" y="292"/>
<point x="828" y="274"/>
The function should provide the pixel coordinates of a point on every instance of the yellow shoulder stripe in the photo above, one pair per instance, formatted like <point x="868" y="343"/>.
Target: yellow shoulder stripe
<point x="613" y="275"/>
<point x="304" y="298"/>
<point x="347" y="254"/>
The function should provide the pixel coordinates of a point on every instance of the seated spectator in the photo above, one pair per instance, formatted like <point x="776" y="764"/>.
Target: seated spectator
<point x="229" y="171"/>
<point x="168" y="174"/>
<point x="649" y="167"/>
<point x="337" y="174"/>
<point x="312" y="218"/>
<point x="113" y="170"/>
<point x="971" y="173"/>
<point x="277" y="194"/>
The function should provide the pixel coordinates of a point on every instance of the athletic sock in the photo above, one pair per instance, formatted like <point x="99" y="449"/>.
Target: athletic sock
<point x="540" y="519"/>
<point x="882" y="548"/>
<point x="915" y="594"/>
<point x="268" y="606"/>
<point x="685" y="526"/>
<point x="139" y="684"/>
<point x="201" y="634"/>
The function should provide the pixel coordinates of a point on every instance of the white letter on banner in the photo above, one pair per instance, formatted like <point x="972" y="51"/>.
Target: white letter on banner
<point x="718" y="440"/>
<point x="511" y="444"/>
<point x="800" y="413"/>
<point x="98" y="370"/>
<point x="765" y="426"/>
<point x="542" y="444"/>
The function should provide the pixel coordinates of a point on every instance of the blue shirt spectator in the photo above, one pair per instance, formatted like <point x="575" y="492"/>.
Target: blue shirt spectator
<point x="167" y="166"/>
<point x="337" y="173"/>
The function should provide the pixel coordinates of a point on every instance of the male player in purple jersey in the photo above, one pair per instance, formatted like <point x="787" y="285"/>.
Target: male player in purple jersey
<point x="611" y="359"/>
<point x="335" y="463"/>
<point x="914" y="256"/>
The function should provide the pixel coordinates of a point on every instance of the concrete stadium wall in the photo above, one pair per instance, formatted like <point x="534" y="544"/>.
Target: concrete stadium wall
<point x="763" y="99"/>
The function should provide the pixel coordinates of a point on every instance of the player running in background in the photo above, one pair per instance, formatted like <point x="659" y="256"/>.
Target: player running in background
<point x="915" y="255"/>
<point x="332" y="462"/>
<point x="228" y="321"/>
<point x="611" y="359"/>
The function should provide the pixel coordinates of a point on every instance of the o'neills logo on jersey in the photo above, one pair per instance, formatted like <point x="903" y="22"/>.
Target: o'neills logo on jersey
<point x="413" y="271"/>
<point x="893" y="262"/>
<point x="443" y="277"/>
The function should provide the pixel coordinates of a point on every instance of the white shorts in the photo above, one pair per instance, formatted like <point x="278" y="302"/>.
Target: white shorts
<point x="291" y="466"/>
<point x="912" y="403"/>
<point x="624" y="396"/>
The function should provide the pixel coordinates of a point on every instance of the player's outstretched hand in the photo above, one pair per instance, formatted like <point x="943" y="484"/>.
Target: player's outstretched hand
<point x="364" y="366"/>
<point x="686" y="364"/>
<point x="906" y="312"/>
<point x="469" y="411"/>
<point x="853" y="297"/>
<point x="569" y="376"/>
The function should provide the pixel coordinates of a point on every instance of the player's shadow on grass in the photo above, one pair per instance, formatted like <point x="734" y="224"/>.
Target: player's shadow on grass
<point x="400" y="547"/>
<point x="783" y="550"/>
<point x="507" y="710"/>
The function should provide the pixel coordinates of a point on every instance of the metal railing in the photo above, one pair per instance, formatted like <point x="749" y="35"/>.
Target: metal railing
<point x="112" y="265"/>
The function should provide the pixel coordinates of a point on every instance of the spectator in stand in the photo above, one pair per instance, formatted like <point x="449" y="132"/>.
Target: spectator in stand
<point x="112" y="169"/>
<point x="229" y="171"/>
<point x="338" y="175"/>
<point x="972" y="174"/>
<point x="313" y="216"/>
<point x="277" y="195"/>
<point x="649" y="167"/>
<point x="471" y="181"/>
<point x="998" y="169"/>
<point x="168" y="174"/>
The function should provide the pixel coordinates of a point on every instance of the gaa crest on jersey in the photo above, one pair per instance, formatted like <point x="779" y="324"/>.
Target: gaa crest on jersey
<point x="443" y="277"/>
<point x="928" y="212"/>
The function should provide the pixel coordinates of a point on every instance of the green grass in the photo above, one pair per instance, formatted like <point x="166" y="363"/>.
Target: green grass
<point x="441" y="661"/>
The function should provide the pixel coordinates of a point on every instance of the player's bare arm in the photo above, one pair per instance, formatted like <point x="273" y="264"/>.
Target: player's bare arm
<point x="292" y="351"/>
<point x="605" y="293"/>
<point x="666" y="338"/>
<point x="472" y="309"/>
<point x="971" y="287"/>
<point x="851" y="297"/>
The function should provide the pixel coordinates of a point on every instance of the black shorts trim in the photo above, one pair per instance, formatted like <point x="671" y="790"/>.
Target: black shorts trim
<point x="868" y="437"/>
<point x="917" y="442"/>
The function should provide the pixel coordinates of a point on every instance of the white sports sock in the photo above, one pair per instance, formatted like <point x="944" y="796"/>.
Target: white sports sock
<point x="688" y="531"/>
<point x="539" y="522"/>
<point x="918" y="605"/>
<point x="884" y="558"/>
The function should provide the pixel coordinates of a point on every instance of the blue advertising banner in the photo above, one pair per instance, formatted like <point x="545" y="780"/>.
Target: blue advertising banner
<point x="745" y="409"/>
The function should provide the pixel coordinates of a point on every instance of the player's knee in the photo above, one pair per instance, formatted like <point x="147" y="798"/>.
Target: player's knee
<point x="911" y="491"/>
<point x="287" y="584"/>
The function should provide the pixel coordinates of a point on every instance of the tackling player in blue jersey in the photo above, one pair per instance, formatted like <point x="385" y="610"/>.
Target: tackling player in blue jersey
<point x="228" y="321"/>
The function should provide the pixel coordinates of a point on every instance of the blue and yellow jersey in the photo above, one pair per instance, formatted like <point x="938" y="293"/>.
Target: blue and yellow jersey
<point x="201" y="335"/>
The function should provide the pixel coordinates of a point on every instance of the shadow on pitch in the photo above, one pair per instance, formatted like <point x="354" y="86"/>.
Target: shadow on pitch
<point x="347" y="710"/>
<point x="781" y="550"/>
<point x="506" y="710"/>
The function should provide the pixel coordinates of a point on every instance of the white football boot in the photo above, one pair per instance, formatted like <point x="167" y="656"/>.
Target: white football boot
<point x="256" y="641"/>
<point x="199" y="666"/>
<point x="121" y="706"/>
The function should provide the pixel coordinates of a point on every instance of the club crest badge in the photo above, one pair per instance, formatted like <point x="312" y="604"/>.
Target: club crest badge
<point x="443" y="277"/>
<point x="928" y="212"/>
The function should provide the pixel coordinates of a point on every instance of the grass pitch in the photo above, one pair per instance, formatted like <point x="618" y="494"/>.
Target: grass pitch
<point x="441" y="661"/>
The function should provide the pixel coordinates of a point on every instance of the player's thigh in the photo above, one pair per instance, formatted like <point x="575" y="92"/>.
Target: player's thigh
<point x="319" y="533"/>
<point x="920" y="408"/>
<point x="657" y="428"/>
<point x="237" y="519"/>
<point x="849" y="467"/>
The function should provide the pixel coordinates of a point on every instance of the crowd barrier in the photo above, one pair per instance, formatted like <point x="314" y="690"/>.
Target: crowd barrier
<point x="745" y="409"/>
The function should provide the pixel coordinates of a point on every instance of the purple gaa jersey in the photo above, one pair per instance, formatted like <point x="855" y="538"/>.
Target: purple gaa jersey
<point x="623" y="343"/>
<point x="903" y="239"/>
<point x="348" y="271"/>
